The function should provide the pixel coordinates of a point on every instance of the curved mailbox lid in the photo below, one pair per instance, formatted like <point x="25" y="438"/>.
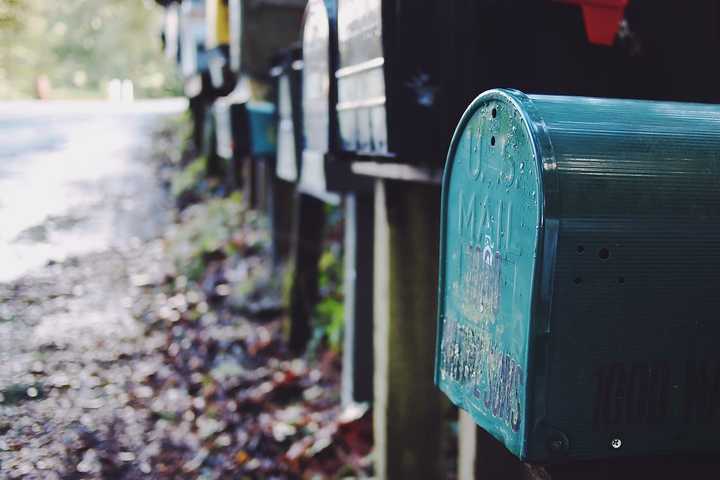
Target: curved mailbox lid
<point x="318" y="95"/>
<point x="619" y="237"/>
<point x="287" y="165"/>
<point x="492" y="211"/>
<point x="288" y="78"/>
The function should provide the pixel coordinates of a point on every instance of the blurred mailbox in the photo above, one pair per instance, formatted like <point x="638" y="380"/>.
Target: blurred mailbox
<point x="217" y="43"/>
<point x="253" y="127"/>
<point x="288" y="87"/>
<point x="578" y="275"/>
<point x="387" y="78"/>
<point x="318" y="96"/>
<point x="223" y="129"/>
<point x="258" y="29"/>
<point x="171" y="32"/>
<point x="192" y="38"/>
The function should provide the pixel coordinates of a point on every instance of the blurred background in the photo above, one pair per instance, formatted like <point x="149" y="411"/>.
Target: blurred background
<point x="75" y="49"/>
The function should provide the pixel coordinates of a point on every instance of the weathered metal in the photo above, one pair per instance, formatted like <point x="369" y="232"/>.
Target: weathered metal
<point x="578" y="267"/>
<point x="288" y="92"/>
<point x="319" y="93"/>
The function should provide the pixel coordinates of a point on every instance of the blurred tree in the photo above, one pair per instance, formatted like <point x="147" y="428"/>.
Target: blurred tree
<point x="80" y="45"/>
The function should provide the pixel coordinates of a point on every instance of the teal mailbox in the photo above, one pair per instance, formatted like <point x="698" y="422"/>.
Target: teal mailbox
<point x="254" y="129"/>
<point x="579" y="274"/>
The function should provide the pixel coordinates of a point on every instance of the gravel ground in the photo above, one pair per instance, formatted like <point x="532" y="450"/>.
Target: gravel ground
<point x="116" y="366"/>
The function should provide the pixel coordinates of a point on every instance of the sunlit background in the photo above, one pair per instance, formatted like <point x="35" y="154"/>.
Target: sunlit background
<point x="76" y="48"/>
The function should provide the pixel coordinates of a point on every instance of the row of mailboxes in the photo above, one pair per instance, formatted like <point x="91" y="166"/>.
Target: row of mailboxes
<point x="398" y="74"/>
<point x="408" y="69"/>
<point x="425" y="60"/>
<point x="220" y="39"/>
<point x="245" y="130"/>
<point x="319" y="93"/>
<point x="307" y="98"/>
<point x="578" y="275"/>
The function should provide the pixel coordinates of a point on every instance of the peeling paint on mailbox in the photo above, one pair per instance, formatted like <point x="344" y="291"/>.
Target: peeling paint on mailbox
<point x="578" y="304"/>
<point x="491" y="225"/>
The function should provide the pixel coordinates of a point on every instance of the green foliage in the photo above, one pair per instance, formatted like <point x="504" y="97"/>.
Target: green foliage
<point x="80" y="45"/>
<point x="330" y="311"/>
<point x="189" y="177"/>
<point x="205" y="228"/>
<point x="331" y="317"/>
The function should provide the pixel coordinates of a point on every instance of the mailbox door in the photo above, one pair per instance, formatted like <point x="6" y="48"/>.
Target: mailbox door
<point x="317" y="86"/>
<point x="361" y="106"/>
<point x="223" y="131"/>
<point x="319" y="94"/>
<point x="171" y="29"/>
<point x="263" y="134"/>
<point x="491" y="225"/>
<point x="287" y="161"/>
<point x="193" y="31"/>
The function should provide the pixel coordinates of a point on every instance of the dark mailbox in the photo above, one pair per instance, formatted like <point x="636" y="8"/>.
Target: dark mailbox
<point x="258" y="29"/>
<point x="407" y="69"/>
<point x="387" y="76"/>
<point x="288" y="90"/>
<point x="578" y="313"/>
<point x="193" y="54"/>
<point x="318" y="96"/>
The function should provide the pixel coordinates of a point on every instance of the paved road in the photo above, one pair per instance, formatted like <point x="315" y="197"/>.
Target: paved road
<point x="71" y="181"/>
<point x="81" y="209"/>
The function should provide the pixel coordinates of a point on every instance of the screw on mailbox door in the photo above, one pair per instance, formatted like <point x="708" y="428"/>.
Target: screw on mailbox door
<point x="616" y="443"/>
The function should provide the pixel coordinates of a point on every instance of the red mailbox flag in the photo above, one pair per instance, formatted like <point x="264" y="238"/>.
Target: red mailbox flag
<point x="602" y="18"/>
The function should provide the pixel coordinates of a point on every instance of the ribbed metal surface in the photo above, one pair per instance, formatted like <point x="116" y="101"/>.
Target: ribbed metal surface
<point x="637" y="273"/>
<point x="622" y="354"/>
